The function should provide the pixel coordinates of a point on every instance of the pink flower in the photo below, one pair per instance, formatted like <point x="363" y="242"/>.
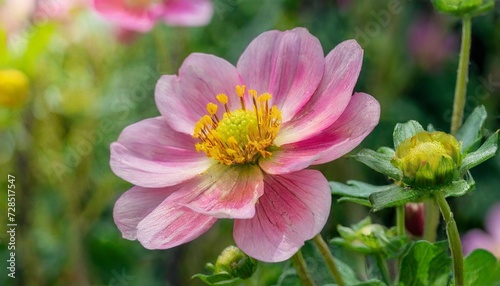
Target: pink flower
<point x="141" y="15"/>
<point x="431" y="42"/>
<point x="489" y="240"/>
<point x="233" y="142"/>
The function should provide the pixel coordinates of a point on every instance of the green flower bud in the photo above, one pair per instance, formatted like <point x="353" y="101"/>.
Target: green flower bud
<point x="14" y="88"/>
<point x="236" y="263"/>
<point x="368" y="236"/>
<point x="428" y="159"/>
<point x="464" y="7"/>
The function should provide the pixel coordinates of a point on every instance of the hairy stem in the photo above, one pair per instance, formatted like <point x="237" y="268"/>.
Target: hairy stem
<point x="400" y="220"/>
<point x="461" y="84"/>
<point x="453" y="239"/>
<point x="327" y="255"/>
<point x="382" y="265"/>
<point x="300" y="265"/>
<point x="431" y="221"/>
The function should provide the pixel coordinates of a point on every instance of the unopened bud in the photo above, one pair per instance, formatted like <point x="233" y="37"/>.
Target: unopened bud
<point x="235" y="262"/>
<point x="463" y="7"/>
<point x="428" y="159"/>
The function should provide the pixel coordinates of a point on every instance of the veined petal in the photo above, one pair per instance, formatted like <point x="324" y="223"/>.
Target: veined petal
<point x="138" y="19"/>
<point x="293" y="209"/>
<point x="223" y="191"/>
<point x="183" y="99"/>
<point x="151" y="154"/>
<point x="170" y="225"/>
<point x="289" y="65"/>
<point x="134" y="205"/>
<point x="342" y="67"/>
<point x="188" y="13"/>
<point x="356" y="122"/>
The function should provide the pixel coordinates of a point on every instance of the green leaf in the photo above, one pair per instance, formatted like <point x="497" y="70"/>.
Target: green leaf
<point x="469" y="132"/>
<point x="486" y="151"/>
<point x="379" y="161"/>
<point x="481" y="268"/>
<point x="220" y="279"/>
<point x="457" y="188"/>
<point x="357" y="189"/>
<point x="363" y="202"/>
<point x="395" y="196"/>
<point x="425" y="264"/>
<point x="358" y="192"/>
<point x="403" y="131"/>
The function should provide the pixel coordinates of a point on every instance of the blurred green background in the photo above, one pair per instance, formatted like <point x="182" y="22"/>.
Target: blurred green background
<point x="88" y="82"/>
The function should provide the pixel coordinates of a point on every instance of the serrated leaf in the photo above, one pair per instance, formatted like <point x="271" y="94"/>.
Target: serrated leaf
<point x="457" y="188"/>
<point x="403" y="131"/>
<point x="469" y="132"/>
<point x="357" y="189"/>
<point x="395" y="196"/>
<point x="425" y="264"/>
<point x="380" y="162"/>
<point x="481" y="268"/>
<point x="486" y="151"/>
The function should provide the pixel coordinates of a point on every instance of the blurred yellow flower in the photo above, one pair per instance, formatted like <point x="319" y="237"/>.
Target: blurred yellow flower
<point x="14" y="88"/>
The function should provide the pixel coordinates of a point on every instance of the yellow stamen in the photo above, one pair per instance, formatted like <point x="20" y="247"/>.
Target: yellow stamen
<point x="212" y="108"/>
<point x="241" y="136"/>
<point x="240" y="91"/>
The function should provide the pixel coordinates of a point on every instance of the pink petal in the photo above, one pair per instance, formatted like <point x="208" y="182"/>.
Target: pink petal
<point x="355" y="123"/>
<point x="475" y="239"/>
<point x="137" y="19"/>
<point x="342" y="68"/>
<point x="170" y="225"/>
<point x="223" y="191"/>
<point x="134" y="205"/>
<point x="150" y="154"/>
<point x="493" y="223"/>
<point x="188" y="12"/>
<point x="289" y="65"/>
<point x="183" y="99"/>
<point x="293" y="209"/>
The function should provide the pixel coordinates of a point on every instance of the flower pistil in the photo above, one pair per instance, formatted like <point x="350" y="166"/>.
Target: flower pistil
<point x="242" y="135"/>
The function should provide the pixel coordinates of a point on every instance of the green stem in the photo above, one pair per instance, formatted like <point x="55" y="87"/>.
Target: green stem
<point x="301" y="267"/>
<point x="453" y="239"/>
<point x="461" y="85"/>
<point x="401" y="230"/>
<point x="382" y="265"/>
<point x="327" y="255"/>
<point x="431" y="221"/>
<point x="400" y="220"/>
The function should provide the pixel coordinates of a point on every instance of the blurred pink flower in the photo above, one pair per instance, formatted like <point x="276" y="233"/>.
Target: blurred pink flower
<point x="244" y="157"/>
<point x="15" y="14"/>
<point x="489" y="240"/>
<point x="59" y="11"/>
<point x="431" y="41"/>
<point x="141" y="15"/>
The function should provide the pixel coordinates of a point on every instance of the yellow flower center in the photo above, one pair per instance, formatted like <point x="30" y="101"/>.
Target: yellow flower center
<point x="242" y="135"/>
